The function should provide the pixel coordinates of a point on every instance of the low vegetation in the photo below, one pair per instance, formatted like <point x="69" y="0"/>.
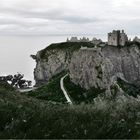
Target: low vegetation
<point x="133" y="43"/>
<point x="79" y="94"/>
<point x="22" y="117"/>
<point x="129" y="89"/>
<point x="71" y="46"/>
<point x="50" y="91"/>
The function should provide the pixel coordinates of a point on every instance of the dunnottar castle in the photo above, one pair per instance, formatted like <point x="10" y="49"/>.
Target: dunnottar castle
<point x="115" y="38"/>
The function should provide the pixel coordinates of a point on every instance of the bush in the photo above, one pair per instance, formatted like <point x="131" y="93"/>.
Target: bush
<point x="5" y="85"/>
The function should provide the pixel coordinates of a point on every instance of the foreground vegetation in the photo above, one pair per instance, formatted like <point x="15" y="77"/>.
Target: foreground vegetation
<point x="25" y="117"/>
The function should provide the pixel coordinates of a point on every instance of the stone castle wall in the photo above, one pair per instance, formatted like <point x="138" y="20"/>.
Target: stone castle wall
<point x="117" y="38"/>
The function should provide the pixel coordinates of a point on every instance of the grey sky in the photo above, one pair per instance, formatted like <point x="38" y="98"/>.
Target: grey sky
<point x="42" y="17"/>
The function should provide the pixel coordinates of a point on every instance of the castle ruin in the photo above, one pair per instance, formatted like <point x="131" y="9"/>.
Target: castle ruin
<point x="75" y="39"/>
<point x="117" y="38"/>
<point x="84" y="39"/>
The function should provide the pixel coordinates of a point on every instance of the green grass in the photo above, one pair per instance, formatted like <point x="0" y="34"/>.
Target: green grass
<point x="65" y="45"/>
<point x="5" y="85"/>
<point x="79" y="94"/>
<point x="22" y="117"/>
<point x="70" y="46"/>
<point x="129" y="89"/>
<point x="50" y="91"/>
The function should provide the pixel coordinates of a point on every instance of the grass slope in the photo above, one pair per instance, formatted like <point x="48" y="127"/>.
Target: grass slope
<point x="70" y="46"/>
<point x="22" y="117"/>
<point x="79" y="94"/>
<point x="50" y="91"/>
<point x="129" y="89"/>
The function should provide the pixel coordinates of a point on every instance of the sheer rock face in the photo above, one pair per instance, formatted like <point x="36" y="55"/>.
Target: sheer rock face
<point x="56" y="62"/>
<point x="101" y="67"/>
<point x="91" y="67"/>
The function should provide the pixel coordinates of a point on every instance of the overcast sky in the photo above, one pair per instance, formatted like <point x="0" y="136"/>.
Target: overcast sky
<point x="51" y="17"/>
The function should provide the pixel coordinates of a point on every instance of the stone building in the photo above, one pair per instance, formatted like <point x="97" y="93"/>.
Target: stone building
<point x="84" y="39"/>
<point x="73" y="39"/>
<point x="96" y="41"/>
<point x="117" y="38"/>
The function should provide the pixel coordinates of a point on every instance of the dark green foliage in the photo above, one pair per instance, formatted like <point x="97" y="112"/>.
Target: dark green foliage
<point x="79" y="94"/>
<point x="16" y="80"/>
<point x="71" y="46"/>
<point x="129" y="89"/>
<point x="75" y="91"/>
<point x="130" y="44"/>
<point x="28" y="118"/>
<point x="93" y="93"/>
<point x="5" y="85"/>
<point x="50" y="91"/>
<point x="65" y="45"/>
<point x="22" y="117"/>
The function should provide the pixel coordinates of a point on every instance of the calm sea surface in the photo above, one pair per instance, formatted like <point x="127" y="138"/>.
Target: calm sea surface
<point x="15" y="52"/>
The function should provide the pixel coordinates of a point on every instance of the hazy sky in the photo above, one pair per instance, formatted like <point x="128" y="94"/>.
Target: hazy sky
<point x="42" y="17"/>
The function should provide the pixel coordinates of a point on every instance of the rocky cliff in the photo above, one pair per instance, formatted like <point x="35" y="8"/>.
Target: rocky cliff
<point x="101" y="67"/>
<point x="54" y="59"/>
<point x="55" y="63"/>
<point x="89" y="67"/>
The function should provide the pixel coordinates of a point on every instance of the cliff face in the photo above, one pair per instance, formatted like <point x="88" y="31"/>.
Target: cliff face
<point x="56" y="62"/>
<point x="91" y="67"/>
<point x="101" y="67"/>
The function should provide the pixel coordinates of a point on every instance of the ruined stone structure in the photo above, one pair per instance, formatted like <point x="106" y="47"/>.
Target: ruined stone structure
<point x="117" y="38"/>
<point x="75" y="39"/>
<point x="84" y="39"/>
<point x="96" y="41"/>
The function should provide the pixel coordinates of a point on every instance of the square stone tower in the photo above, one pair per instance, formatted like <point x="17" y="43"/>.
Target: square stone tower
<point x="117" y="38"/>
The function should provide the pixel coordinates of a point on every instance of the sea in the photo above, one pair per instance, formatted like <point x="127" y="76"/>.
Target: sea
<point x="15" y="52"/>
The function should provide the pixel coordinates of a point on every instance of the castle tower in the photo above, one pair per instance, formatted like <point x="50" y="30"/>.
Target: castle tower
<point x="117" y="38"/>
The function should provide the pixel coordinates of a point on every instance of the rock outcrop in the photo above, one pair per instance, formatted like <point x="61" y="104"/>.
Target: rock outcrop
<point x="101" y="67"/>
<point x="56" y="62"/>
<point x="91" y="67"/>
